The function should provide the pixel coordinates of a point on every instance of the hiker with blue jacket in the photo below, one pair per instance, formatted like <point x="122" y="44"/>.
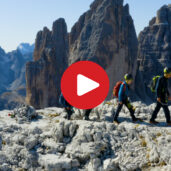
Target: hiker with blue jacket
<point x="66" y="105"/>
<point x="69" y="108"/>
<point x="163" y="96"/>
<point x="121" y="91"/>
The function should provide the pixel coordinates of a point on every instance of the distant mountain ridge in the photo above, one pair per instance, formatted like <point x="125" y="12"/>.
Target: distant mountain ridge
<point x="25" y="48"/>
<point x="12" y="72"/>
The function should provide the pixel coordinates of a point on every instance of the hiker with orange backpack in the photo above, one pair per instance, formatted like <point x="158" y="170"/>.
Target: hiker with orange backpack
<point x="121" y="91"/>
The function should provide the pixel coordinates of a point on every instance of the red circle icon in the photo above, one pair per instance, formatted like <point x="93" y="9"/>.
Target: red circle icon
<point x="85" y="85"/>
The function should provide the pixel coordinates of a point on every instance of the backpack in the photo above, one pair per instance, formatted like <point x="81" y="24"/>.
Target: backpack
<point x="62" y="100"/>
<point x="154" y="82"/>
<point x="117" y="88"/>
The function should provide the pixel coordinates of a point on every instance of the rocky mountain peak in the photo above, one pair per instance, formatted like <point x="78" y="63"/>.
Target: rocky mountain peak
<point x="59" y="25"/>
<point x="154" y="49"/>
<point x="96" y="3"/>
<point x="100" y="35"/>
<point x="164" y="15"/>
<point x="41" y="42"/>
<point x="26" y="48"/>
<point x="105" y="34"/>
<point x="50" y="60"/>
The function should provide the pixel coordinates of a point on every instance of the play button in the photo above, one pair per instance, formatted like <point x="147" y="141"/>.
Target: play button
<point x="85" y="85"/>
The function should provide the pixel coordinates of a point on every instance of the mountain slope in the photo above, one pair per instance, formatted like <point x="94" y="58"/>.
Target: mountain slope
<point x="12" y="75"/>
<point x="51" y="142"/>
<point x="25" y="48"/>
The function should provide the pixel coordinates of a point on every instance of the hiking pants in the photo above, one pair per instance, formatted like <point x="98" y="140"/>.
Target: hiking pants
<point x="69" y="112"/>
<point x="128" y="105"/>
<point x="87" y="113"/>
<point x="157" y="109"/>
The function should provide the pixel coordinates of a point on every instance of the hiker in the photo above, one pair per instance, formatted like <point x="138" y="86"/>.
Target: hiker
<point x="121" y="92"/>
<point x="87" y="114"/>
<point x="163" y="96"/>
<point x="66" y="105"/>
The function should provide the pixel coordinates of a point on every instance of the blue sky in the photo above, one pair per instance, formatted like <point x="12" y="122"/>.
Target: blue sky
<point x="20" y="20"/>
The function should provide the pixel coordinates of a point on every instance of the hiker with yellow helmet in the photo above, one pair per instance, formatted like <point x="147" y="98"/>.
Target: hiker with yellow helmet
<point x="162" y="93"/>
<point x="122" y="94"/>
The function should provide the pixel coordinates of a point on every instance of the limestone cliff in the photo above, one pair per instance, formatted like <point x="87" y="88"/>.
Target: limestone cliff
<point x="154" y="49"/>
<point x="106" y="35"/>
<point x="43" y="75"/>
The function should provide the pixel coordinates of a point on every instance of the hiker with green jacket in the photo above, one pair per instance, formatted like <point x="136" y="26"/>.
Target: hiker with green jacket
<point x="162" y="97"/>
<point x="123" y="98"/>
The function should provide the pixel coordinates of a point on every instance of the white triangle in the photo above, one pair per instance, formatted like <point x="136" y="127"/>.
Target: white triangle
<point x="85" y="85"/>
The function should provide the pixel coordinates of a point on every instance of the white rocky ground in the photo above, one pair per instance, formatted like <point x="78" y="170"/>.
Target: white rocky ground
<point x="53" y="143"/>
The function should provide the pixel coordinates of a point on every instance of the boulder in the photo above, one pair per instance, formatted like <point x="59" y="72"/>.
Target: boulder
<point x="53" y="163"/>
<point x="110" y="165"/>
<point x="24" y="113"/>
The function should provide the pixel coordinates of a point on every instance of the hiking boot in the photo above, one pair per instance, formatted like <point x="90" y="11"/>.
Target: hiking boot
<point x="116" y="122"/>
<point x="69" y="117"/>
<point x="154" y="122"/>
<point x="169" y="123"/>
<point x="136" y="120"/>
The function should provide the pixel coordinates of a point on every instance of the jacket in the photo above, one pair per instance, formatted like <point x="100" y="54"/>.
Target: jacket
<point x="162" y="89"/>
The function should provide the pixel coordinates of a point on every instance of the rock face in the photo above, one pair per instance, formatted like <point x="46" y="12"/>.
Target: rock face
<point x="154" y="49"/>
<point x="106" y="35"/>
<point x="50" y="60"/>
